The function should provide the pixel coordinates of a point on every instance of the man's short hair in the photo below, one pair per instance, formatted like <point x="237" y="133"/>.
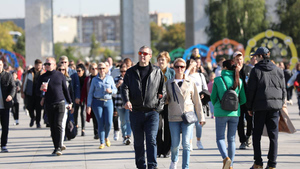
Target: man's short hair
<point x="37" y="61"/>
<point x="150" y="50"/>
<point x="64" y="58"/>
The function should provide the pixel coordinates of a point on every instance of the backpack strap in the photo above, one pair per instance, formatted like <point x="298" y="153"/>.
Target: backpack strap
<point x="174" y="93"/>
<point x="224" y="82"/>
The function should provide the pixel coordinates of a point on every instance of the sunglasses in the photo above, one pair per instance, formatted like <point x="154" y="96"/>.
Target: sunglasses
<point x="63" y="62"/>
<point x="177" y="67"/>
<point x="62" y="69"/>
<point x="78" y="71"/>
<point x="94" y="68"/>
<point x="101" y="68"/>
<point x="143" y="53"/>
<point x="47" y="64"/>
<point x="123" y="71"/>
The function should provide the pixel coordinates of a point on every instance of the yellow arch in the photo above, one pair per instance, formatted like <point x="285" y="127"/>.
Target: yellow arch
<point x="270" y="33"/>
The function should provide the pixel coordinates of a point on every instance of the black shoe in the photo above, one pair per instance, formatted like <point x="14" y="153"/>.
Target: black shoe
<point x="166" y="155"/>
<point x="82" y="133"/>
<point x="158" y="156"/>
<point x="54" y="152"/>
<point x="31" y="123"/>
<point x="96" y="137"/>
<point x="47" y="125"/>
<point x="38" y="126"/>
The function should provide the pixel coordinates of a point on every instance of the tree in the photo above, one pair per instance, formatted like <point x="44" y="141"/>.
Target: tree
<point x="174" y="37"/>
<point x="6" y="40"/>
<point x="60" y="50"/>
<point x="19" y="47"/>
<point x="95" y="45"/>
<point x="156" y="35"/>
<point x="239" y="20"/>
<point x="289" y="14"/>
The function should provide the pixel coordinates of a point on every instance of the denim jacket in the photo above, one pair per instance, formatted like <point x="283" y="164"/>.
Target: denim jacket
<point x="98" y="89"/>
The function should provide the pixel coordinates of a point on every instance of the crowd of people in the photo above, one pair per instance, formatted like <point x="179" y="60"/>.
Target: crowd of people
<point x="156" y="103"/>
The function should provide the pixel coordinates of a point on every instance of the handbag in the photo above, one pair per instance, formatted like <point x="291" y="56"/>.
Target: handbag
<point x="187" y="117"/>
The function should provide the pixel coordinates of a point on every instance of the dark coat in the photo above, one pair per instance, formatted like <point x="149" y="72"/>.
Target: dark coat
<point x="266" y="87"/>
<point x="8" y="87"/>
<point x="131" y="89"/>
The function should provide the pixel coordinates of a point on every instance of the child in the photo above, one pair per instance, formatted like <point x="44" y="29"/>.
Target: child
<point x="15" y="107"/>
<point x="210" y="86"/>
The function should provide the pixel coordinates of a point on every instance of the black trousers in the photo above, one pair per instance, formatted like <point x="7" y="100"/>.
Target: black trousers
<point x="95" y="123"/>
<point x="163" y="138"/>
<point x="115" y="118"/>
<point x="4" y="119"/>
<point x="289" y="92"/>
<point x="15" y="110"/>
<point x="33" y="103"/>
<point x="241" y="129"/>
<point x="270" y="119"/>
<point x="82" y="115"/>
<point x="55" y="113"/>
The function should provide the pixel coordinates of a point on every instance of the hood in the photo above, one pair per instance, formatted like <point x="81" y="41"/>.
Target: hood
<point x="265" y="65"/>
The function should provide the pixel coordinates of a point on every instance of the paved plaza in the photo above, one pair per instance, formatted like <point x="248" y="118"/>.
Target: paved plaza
<point x="32" y="148"/>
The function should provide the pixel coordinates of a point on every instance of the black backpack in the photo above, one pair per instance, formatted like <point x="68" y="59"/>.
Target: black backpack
<point x="230" y="99"/>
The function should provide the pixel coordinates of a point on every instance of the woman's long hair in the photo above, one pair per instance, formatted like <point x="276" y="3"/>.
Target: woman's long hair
<point x="229" y="64"/>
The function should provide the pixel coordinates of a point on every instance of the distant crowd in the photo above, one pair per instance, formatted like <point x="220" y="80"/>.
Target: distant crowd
<point x="156" y="103"/>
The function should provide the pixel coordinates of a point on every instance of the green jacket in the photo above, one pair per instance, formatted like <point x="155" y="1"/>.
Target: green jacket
<point x="219" y="89"/>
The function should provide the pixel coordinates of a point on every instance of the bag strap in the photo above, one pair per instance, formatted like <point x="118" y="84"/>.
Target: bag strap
<point x="175" y="96"/>
<point x="224" y="82"/>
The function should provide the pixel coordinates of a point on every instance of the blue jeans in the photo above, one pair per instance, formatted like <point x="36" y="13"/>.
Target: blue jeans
<point x="103" y="111"/>
<point x="187" y="129"/>
<point x="145" y="124"/>
<point x="232" y="123"/>
<point x="125" y="122"/>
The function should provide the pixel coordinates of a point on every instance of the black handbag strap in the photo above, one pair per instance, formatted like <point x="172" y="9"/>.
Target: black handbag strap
<point x="174" y="93"/>
<point x="175" y="96"/>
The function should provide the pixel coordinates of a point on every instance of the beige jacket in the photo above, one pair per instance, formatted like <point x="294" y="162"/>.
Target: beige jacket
<point x="188" y="98"/>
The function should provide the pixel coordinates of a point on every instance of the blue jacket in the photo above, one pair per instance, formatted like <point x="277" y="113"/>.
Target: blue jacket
<point x="170" y="73"/>
<point x="98" y="89"/>
<point x="75" y="83"/>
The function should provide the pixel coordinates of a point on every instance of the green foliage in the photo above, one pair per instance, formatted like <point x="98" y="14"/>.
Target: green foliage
<point x="289" y="14"/>
<point x="6" y="40"/>
<point x="69" y="51"/>
<point x="174" y="37"/>
<point x="109" y="53"/>
<point x="95" y="45"/>
<point x="239" y="20"/>
<point x="19" y="47"/>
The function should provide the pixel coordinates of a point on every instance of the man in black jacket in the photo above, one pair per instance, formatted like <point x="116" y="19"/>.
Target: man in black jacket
<point x="265" y="97"/>
<point x="245" y="138"/>
<point x="142" y="92"/>
<point x="7" y="90"/>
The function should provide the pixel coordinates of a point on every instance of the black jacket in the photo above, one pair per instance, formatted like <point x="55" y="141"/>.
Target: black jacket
<point x="266" y="87"/>
<point x="8" y="87"/>
<point x="131" y="89"/>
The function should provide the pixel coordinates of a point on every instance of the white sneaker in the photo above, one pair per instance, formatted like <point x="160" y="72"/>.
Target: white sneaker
<point x="191" y="146"/>
<point x="116" y="135"/>
<point x="173" y="165"/>
<point x="199" y="145"/>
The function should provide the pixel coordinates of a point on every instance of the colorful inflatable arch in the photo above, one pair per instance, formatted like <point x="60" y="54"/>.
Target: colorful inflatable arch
<point x="13" y="58"/>
<point x="203" y="49"/>
<point x="220" y="45"/>
<point x="176" y="53"/>
<point x="270" y="39"/>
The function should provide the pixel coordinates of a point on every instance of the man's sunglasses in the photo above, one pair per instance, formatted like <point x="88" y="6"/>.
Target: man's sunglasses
<point x="177" y="67"/>
<point x="62" y="69"/>
<point x="47" y="64"/>
<point x="101" y="68"/>
<point x="143" y="53"/>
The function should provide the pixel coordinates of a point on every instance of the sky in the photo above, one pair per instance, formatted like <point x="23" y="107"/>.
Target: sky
<point x="16" y="8"/>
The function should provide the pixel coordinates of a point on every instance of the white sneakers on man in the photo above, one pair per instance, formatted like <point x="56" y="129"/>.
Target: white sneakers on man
<point x="199" y="145"/>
